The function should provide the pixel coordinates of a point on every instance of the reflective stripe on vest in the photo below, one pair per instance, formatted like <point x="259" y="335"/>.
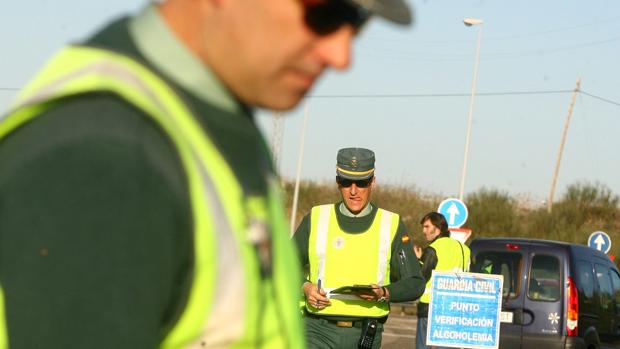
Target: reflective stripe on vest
<point x="341" y="259"/>
<point x="4" y="342"/>
<point x="452" y="255"/>
<point x="221" y="309"/>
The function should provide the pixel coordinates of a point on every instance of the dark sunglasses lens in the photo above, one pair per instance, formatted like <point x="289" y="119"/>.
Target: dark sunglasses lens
<point x="325" y="17"/>
<point x="344" y="182"/>
<point x="362" y="183"/>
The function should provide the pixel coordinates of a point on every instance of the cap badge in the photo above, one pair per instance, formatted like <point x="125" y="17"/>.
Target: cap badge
<point x="354" y="162"/>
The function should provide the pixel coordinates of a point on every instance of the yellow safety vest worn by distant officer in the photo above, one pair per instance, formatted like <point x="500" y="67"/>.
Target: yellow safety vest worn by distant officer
<point x="222" y="308"/>
<point x="339" y="259"/>
<point x="452" y="255"/>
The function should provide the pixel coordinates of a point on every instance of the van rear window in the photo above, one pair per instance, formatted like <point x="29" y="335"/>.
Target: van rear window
<point x="615" y="282"/>
<point x="585" y="281"/>
<point x="502" y="263"/>
<point x="544" y="281"/>
<point x="604" y="284"/>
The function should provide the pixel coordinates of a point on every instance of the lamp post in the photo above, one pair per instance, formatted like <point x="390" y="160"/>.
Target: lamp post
<point x="300" y="158"/>
<point x="470" y="22"/>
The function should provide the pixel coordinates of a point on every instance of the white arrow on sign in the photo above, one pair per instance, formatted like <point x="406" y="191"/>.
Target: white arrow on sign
<point x="599" y="241"/>
<point x="453" y="211"/>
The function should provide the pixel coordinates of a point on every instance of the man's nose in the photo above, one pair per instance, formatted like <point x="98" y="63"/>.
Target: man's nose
<point x="354" y="189"/>
<point x="334" y="49"/>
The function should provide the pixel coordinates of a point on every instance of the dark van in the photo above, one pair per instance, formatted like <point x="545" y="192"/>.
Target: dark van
<point x="555" y="294"/>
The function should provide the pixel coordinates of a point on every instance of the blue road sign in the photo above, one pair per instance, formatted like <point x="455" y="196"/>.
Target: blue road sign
<point x="455" y="212"/>
<point x="464" y="310"/>
<point x="599" y="240"/>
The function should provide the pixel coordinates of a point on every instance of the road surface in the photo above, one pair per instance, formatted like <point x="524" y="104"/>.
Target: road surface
<point x="399" y="331"/>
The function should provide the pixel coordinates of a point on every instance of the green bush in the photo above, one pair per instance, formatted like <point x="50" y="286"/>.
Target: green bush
<point x="583" y="209"/>
<point x="492" y="213"/>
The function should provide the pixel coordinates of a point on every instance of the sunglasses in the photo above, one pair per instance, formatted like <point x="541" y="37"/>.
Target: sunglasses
<point x="360" y="183"/>
<point x="326" y="16"/>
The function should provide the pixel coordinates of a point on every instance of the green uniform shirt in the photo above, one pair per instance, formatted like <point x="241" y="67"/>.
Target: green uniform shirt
<point x="95" y="220"/>
<point x="406" y="282"/>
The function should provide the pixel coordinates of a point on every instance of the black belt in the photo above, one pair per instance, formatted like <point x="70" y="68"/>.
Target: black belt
<point x="357" y="322"/>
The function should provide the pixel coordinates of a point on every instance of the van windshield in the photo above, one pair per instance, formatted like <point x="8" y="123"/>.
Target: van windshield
<point x="502" y="263"/>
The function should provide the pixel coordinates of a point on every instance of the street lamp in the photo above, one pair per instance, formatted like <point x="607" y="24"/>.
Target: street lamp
<point x="470" y="22"/>
<point x="300" y="158"/>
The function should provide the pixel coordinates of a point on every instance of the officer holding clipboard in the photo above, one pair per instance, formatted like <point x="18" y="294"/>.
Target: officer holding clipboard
<point x="359" y="258"/>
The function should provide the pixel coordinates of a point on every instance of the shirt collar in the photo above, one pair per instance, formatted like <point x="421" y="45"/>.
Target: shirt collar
<point x="441" y="235"/>
<point x="167" y="53"/>
<point x="345" y="211"/>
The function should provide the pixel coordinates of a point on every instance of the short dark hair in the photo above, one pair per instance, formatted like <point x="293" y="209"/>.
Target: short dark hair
<point x="438" y="220"/>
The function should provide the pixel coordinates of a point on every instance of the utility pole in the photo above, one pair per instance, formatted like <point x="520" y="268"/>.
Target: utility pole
<point x="557" y="164"/>
<point x="276" y="139"/>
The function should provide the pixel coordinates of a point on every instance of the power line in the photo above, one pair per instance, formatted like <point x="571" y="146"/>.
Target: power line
<point x="433" y="95"/>
<point x="430" y="95"/>
<point x="600" y="98"/>
<point x="550" y="50"/>
<point x="496" y="38"/>
<point x="403" y="53"/>
<point x="562" y="29"/>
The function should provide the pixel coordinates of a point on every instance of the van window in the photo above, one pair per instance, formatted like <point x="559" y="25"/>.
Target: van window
<point x="604" y="284"/>
<point x="544" y="281"/>
<point x="615" y="282"/>
<point x="585" y="280"/>
<point x="502" y="263"/>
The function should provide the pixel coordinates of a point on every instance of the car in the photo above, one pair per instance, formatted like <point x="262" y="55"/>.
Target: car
<point x="555" y="294"/>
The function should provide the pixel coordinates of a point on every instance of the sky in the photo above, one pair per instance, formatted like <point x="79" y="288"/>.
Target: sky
<point x="407" y="93"/>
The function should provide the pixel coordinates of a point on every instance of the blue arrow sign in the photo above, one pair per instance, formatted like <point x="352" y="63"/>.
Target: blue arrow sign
<point x="455" y="212"/>
<point x="599" y="240"/>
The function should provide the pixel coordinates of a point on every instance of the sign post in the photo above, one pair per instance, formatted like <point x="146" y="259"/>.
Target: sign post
<point x="464" y="310"/>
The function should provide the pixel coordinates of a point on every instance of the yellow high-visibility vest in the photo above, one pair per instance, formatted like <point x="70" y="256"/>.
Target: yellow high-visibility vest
<point x="222" y="307"/>
<point x="339" y="259"/>
<point x="452" y="255"/>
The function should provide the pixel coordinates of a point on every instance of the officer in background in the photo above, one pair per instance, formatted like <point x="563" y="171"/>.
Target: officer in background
<point x="444" y="254"/>
<point x="138" y="203"/>
<point x="354" y="242"/>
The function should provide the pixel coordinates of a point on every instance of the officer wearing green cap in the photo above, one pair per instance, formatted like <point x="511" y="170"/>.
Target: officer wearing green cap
<point x="354" y="242"/>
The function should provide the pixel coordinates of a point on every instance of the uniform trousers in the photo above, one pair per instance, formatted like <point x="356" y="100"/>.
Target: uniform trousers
<point x="420" y="335"/>
<point x="325" y="334"/>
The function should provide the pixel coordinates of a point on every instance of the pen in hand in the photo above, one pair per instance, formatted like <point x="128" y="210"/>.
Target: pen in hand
<point x="319" y="287"/>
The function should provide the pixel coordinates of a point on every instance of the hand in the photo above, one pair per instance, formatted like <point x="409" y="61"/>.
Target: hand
<point x="377" y="294"/>
<point x="418" y="251"/>
<point x="315" y="297"/>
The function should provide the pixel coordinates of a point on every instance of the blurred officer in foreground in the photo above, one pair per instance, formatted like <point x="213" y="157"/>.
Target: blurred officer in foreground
<point x="354" y="242"/>
<point x="138" y="204"/>
<point x="443" y="254"/>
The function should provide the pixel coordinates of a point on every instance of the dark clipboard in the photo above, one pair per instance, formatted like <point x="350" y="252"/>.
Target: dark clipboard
<point x="354" y="290"/>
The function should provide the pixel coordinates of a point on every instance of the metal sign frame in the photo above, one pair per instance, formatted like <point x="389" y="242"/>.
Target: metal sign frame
<point x="464" y="310"/>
